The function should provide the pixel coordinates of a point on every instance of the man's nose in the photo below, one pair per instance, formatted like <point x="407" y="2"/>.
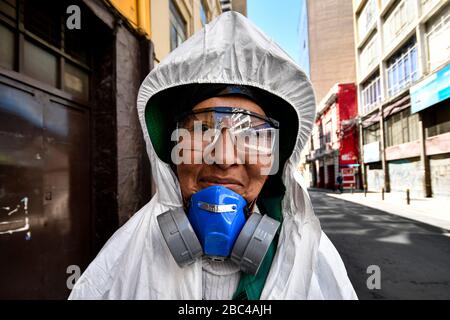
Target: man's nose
<point x="225" y="151"/>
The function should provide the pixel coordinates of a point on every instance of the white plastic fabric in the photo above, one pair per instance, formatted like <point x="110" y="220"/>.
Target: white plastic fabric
<point x="136" y="264"/>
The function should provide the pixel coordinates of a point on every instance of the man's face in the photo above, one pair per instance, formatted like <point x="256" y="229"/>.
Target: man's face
<point x="243" y="178"/>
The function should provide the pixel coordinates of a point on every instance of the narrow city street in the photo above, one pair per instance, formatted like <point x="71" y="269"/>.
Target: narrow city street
<point x="414" y="257"/>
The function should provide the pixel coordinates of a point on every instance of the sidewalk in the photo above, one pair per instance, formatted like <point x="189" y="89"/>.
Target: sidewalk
<point x="432" y="211"/>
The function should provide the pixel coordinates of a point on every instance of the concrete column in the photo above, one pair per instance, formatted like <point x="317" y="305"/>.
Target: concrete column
<point x="361" y="154"/>
<point x="422" y="50"/>
<point x="424" y="160"/>
<point x="387" y="185"/>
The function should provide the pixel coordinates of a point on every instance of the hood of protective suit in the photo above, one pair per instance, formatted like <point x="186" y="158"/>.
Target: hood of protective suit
<point x="136" y="263"/>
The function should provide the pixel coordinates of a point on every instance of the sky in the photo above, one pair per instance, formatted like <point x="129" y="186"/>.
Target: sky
<point x="279" y="19"/>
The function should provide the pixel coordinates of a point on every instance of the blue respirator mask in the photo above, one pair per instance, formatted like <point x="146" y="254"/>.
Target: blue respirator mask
<point x="216" y="226"/>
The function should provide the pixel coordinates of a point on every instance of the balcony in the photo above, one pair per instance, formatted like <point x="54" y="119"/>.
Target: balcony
<point x="427" y="5"/>
<point x="438" y="41"/>
<point x="366" y="21"/>
<point x="398" y="24"/>
<point x="369" y="57"/>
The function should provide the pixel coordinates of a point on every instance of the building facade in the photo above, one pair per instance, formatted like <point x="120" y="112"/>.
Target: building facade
<point x="331" y="44"/>
<point x="402" y="57"/>
<point x="235" y="5"/>
<point x="326" y="42"/>
<point x="334" y="141"/>
<point x="304" y="38"/>
<point x="168" y="22"/>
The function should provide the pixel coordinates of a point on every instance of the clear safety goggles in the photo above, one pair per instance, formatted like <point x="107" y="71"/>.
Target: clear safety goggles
<point x="250" y="132"/>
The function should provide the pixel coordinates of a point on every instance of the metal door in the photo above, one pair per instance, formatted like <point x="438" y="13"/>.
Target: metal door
<point x="44" y="191"/>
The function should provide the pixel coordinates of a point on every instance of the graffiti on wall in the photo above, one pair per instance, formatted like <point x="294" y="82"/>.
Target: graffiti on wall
<point x="15" y="219"/>
<point x="375" y="180"/>
<point x="440" y="176"/>
<point x="406" y="174"/>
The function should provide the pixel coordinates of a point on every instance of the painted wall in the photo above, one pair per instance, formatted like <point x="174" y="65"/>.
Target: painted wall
<point x="375" y="180"/>
<point x="406" y="174"/>
<point x="152" y="18"/>
<point x="137" y="13"/>
<point x="440" y="175"/>
<point x="128" y="8"/>
<point x="348" y="133"/>
<point x="190" y="11"/>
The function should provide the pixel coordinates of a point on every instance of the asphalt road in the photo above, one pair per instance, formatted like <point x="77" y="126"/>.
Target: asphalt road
<point x="413" y="257"/>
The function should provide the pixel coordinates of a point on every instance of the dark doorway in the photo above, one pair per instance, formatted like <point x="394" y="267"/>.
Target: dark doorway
<point x="321" y="177"/>
<point x="47" y="135"/>
<point x="331" y="184"/>
<point x="313" y="171"/>
<point x="44" y="191"/>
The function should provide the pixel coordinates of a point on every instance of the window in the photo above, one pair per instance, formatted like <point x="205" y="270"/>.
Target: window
<point x="76" y="81"/>
<point x="177" y="27"/>
<point x="402" y="128"/>
<point x="40" y="18"/>
<point x="438" y="39"/>
<point x="398" y="21"/>
<point x="7" y="48"/>
<point x="203" y="17"/>
<point x="316" y="137"/>
<point x="366" y="19"/>
<point x="321" y="135"/>
<point x="438" y="120"/>
<point x="369" y="56"/>
<point x="427" y="5"/>
<point x="402" y="69"/>
<point x="75" y="42"/>
<point x="8" y="9"/>
<point x="51" y="53"/>
<point x="371" y="133"/>
<point x="371" y="93"/>
<point x="40" y="64"/>
<point x="328" y="130"/>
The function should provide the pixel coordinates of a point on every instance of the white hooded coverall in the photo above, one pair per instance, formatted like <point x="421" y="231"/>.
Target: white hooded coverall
<point x="136" y="263"/>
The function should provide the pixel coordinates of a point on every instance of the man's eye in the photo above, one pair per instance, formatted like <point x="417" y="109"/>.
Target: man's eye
<point x="205" y="127"/>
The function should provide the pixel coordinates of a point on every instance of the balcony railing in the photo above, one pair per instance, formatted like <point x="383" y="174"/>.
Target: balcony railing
<point x="398" y="22"/>
<point x="439" y="41"/>
<point x="402" y="72"/>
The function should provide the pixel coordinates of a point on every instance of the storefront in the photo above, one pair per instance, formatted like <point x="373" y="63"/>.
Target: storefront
<point x="430" y="99"/>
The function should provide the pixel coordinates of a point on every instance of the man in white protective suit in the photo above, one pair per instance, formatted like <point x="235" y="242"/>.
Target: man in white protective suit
<point x="224" y="117"/>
